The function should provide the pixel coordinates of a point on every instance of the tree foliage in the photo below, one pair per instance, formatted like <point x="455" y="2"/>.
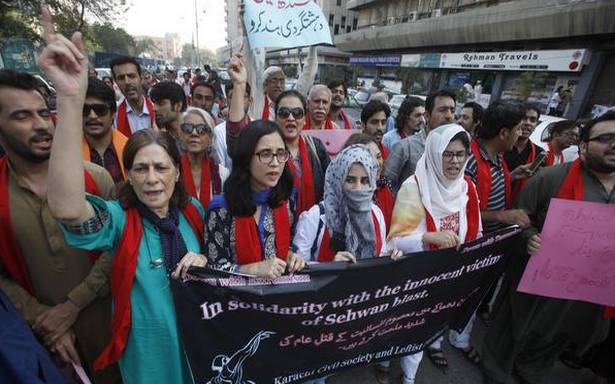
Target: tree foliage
<point x="113" y="40"/>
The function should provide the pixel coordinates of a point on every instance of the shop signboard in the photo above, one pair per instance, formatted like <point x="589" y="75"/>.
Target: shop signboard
<point x="376" y="61"/>
<point x="564" y="60"/>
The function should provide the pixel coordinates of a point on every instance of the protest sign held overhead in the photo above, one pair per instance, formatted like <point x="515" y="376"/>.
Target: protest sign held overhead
<point x="334" y="317"/>
<point x="577" y="256"/>
<point x="285" y="24"/>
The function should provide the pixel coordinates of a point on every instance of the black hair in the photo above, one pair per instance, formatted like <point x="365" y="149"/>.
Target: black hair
<point x="430" y="103"/>
<point x="108" y="77"/>
<point x="203" y="84"/>
<point x="587" y="128"/>
<point x="290" y="93"/>
<point x="463" y="137"/>
<point x="532" y="107"/>
<point x="229" y="88"/>
<point x="500" y="115"/>
<point x="336" y="83"/>
<point x="237" y="190"/>
<point x="124" y="60"/>
<point x="168" y="90"/>
<point x="98" y="89"/>
<point x="560" y="126"/>
<point x="10" y="78"/>
<point x="359" y="138"/>
<point x="477" y="111"/>
<point x="406" y="109"/>
<point x="372" y="108"/>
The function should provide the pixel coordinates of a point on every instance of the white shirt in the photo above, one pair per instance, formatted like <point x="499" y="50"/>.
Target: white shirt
<point x="307" y="232"/>
<point x="220" y="148"/>
<point x="136" y="121"/>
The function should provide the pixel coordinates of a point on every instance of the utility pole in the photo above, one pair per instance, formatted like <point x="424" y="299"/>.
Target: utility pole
<point x="196" y="22"/>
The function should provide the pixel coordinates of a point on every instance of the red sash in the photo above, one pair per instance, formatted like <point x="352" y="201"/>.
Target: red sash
<point x="325" y="254"/>
<point x="483" y="178"/>
<point x="552" y="156"/>
<point x="210" y="179"/>
<point x="266" y="108"/>
<point x="347" y="124"/>
<point x="123" y="125"/>
<point x="308" y="123"/>
<point x="305" y="186"/>
<point x="385" y="201"/>
<point x="383" y="150"/>
<point x="521" y="183"/>
<point x="248" y="242"/>
<point x="472" y="215"/>
<point x="10" y="253"/>
<point x="123" y="275"/>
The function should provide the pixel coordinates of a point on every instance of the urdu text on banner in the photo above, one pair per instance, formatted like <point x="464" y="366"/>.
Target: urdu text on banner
<point x="285" y="24"/>
<point x="334" y="316"/>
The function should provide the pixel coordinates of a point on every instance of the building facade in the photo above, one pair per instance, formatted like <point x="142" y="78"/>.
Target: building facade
<point x="517" y="49"/>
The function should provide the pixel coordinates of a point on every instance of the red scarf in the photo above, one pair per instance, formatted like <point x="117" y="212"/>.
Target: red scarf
<point x="573" y="189"/>
<point x="248" y="244"/>
<point x="123" y="125"/>
<point x="383" y="150"/>
<point x="210" y="179"/>
<point x="308" y="123"/>
<point x="521" y="183"/>
<point x="472" y="215"/>
<point x="10" y="252"/>
<point x="266" y="108"/>
<point x="483" y="178"/>
<point x="123" y="275"/>
<point x="325" y="254"/>
<point x="552" y="156"/>
<point x="305" y="186"/>
<point x="347" y="124"/>
<point x="385" y="201"/>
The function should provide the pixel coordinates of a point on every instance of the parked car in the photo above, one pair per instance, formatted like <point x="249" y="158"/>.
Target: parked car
<point x="102" y="72"/>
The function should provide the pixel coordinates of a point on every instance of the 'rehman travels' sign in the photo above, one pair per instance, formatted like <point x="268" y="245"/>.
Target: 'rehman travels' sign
<point x="333" y="316"/>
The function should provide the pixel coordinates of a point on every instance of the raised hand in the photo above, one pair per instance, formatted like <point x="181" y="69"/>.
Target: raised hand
<point x="237" y="70"/>
<point x="62" y="60"/>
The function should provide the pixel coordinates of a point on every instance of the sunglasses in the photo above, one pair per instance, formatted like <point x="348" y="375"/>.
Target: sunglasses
<point x="285" y="112"/>
<point x="200" y="128"/>
<point x="99" y="109"/>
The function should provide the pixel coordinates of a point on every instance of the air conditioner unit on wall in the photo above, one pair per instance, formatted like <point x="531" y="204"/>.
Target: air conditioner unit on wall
<point x="437" y="12"/>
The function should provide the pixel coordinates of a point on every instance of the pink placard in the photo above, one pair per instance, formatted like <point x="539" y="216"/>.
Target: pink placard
<point x="333" y="139"/>
<point x="576" y="259"/>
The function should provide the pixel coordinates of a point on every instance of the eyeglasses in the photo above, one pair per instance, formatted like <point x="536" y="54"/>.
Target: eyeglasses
<point x="200" y="128"/>
<point x="605" y="138"/>
<point x="449" y="156"/>
<point x="99" y="109"/>
<point x="285" y="112"/>
<point x="266" y="156"/>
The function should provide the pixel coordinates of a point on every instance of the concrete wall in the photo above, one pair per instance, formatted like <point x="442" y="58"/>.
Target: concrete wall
<point x="520" y="20"/>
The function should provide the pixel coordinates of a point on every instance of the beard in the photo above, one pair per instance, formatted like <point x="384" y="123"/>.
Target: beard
<point x="598" y="164"/>
<point x="26" y="152"/>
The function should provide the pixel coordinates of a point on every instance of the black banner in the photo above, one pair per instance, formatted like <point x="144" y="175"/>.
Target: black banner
<point x="334" y="316"/>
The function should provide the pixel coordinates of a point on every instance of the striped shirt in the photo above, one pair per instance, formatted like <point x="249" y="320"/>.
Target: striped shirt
<point x="497" y="196"/>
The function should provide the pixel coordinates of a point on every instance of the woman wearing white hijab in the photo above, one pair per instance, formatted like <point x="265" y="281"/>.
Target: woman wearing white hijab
<point x="438" y="208"/>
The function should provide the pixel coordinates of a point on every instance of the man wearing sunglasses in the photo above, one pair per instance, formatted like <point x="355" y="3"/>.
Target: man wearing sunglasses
<point x="530" y="332"/>
<point x="102" y="145"/>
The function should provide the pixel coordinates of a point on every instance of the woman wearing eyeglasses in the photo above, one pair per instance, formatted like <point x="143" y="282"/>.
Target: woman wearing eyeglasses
<point x="438" y="208"/>
<point x="203" y="176"/>
<point x="308" y="156"/>
<point x="249" y="229"/>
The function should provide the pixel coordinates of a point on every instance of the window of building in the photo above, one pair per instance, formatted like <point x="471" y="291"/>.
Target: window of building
<point x="336" y="29"/>
<point x="348" y="29"/>
<point x="343" y="21"/>
<point x="331" y="20"/>
<point x="339" y="3"/>
<point x="354" y="23"/>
